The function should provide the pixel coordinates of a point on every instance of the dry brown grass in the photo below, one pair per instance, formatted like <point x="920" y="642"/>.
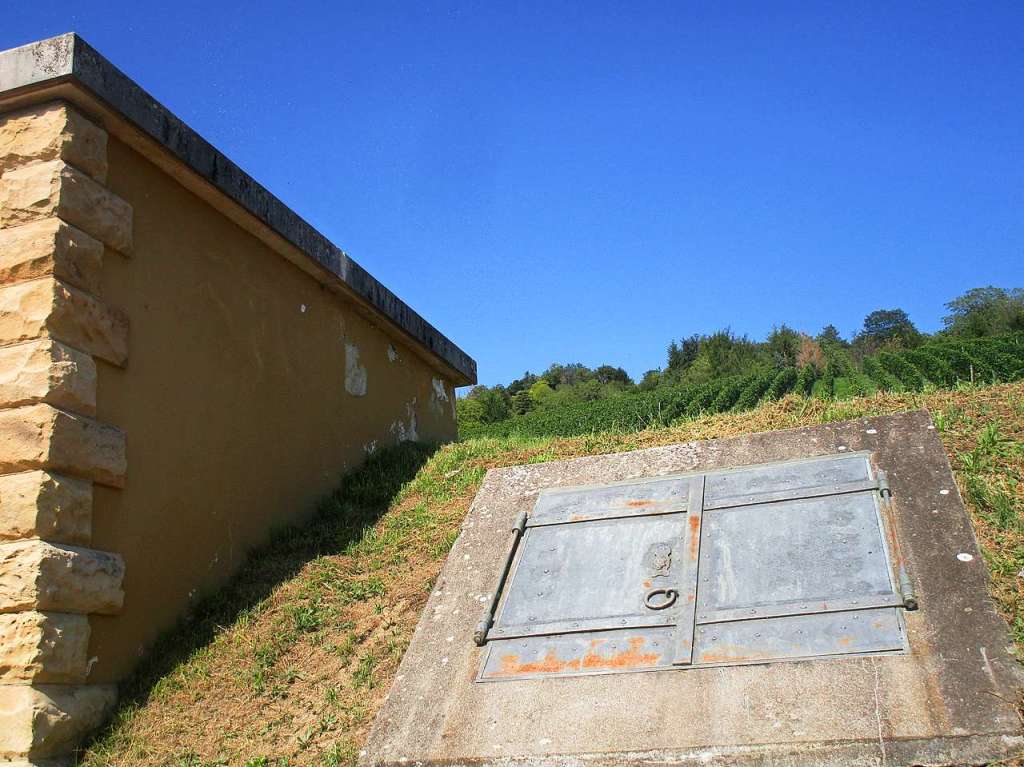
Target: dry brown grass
<point x="295" y="675"/>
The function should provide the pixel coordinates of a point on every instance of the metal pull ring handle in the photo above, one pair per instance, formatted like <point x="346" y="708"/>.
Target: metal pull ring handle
<point x="670" y="597"/>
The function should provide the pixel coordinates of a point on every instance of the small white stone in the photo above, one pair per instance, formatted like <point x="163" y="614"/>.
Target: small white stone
<point x="842" y="448"/>
<point x="963" y="556"/>
<point x="302" y="308"/>
<point x="450" y="639"/>
<point x="943" y="492"/>
<point x="871" y="431"/>
<point x="444" y="661"/>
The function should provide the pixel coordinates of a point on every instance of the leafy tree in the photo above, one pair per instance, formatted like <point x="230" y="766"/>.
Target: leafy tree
<point x="889" y="327"/>
<point x="528" y="380"/>
<point x="522" y="402"/>
<point x="783" y="344"/>
<point x="985" y="312"/>
<point x="651" y="380"/>
<point x="469" y="413"/>
<point x="495" y="402"/>
<point x="541" y="391"/>
<point x="829" y="338"/>
<point x="608" y="374"/>
<point x="724" y="354"/>
<point x="681" y="355"/>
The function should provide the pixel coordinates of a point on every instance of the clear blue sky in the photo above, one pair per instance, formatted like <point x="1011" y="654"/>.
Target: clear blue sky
<point x="583" y="182"/>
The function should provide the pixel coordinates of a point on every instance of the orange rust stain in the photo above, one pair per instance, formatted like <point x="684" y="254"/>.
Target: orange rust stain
<point x="549" y="664"/>
<point x="844" y="641"/>
<point x="727" y="653"/>
<point x="691" y="597"/>
<point x="639" y="504"/>
<point x="629" y="658"/>
<point x="694" y="538"/>
<point x="647" y="584"/>
<point x="632" y="657"/>
<point x="713" y="657"/>
<point x="578" y="517"/>
<point x="876" y="624"/>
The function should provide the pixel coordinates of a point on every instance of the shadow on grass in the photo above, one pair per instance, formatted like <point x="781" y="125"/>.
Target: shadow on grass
<point x="341" y="518"/>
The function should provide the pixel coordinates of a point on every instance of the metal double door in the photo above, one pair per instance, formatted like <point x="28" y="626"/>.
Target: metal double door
<point x="755" y="564"/>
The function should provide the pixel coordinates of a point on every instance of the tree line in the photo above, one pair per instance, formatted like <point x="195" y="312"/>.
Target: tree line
<point x="703" y="360"/>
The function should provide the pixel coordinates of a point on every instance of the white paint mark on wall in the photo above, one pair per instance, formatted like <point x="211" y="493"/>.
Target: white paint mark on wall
<point x="438" y="396"/>
<point x="406" y="429"/>
<point x="302" y="308"/>
<point x="392" y="353"/>
<point x="355" y="374"/>
<point x="439" y="390"/>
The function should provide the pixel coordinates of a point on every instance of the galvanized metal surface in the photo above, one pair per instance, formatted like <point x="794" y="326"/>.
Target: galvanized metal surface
<point x="800" y="636"/>
<point x="594" y="574"/>
<point x="634" y="498"/>
<point x="770" y="562"/>
<point x="813" y="549"/>
<point x="683" y="654"/>
<point x="735" y="486"/>
<point x="572" y="654"/>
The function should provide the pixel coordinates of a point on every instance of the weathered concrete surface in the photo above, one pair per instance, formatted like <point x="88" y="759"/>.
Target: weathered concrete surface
<point x="949" y="701"/>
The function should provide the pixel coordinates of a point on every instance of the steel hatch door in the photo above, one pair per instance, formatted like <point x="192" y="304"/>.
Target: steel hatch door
<point x="750" y="565"/>
<point x="604" y="581"/>
<point x="795" y="564"/>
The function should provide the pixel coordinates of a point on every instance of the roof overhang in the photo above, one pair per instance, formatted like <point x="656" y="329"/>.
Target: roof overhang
<point x="68" y="68"/>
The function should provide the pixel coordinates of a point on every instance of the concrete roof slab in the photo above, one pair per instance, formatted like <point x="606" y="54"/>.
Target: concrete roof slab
<point x="950" y="700"/>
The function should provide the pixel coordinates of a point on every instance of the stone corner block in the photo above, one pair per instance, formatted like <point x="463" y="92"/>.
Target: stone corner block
<point x="43" y="437"/>
<point x="36" y="575"/>
<point x="47" y="371"/>
<point x="38" y="647"/>
<point x="50" y="720"/>
<point x="40" y="504"/>
<point x="53" y="131"/>
<point x="51" y="247"/>
<point x="49" y="307"/>
<point x="55" y="188"/>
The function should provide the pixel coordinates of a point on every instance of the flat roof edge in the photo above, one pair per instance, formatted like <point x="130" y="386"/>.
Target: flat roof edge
<point x="69" y="58"/>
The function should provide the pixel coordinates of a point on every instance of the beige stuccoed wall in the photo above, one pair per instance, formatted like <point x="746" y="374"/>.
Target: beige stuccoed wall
<point x="241" y="403"/>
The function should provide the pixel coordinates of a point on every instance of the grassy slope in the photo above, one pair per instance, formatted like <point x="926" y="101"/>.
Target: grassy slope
<point x="288" y="665"/>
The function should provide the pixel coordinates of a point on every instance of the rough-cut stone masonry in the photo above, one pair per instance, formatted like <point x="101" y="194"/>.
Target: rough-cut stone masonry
<point x="57" y="223"/>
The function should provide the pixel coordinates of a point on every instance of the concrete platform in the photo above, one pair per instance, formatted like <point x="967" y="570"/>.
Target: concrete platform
<point x="952" y="699"/>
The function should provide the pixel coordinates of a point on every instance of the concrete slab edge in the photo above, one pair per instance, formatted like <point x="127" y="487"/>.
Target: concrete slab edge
<point x="917" y="752"/>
